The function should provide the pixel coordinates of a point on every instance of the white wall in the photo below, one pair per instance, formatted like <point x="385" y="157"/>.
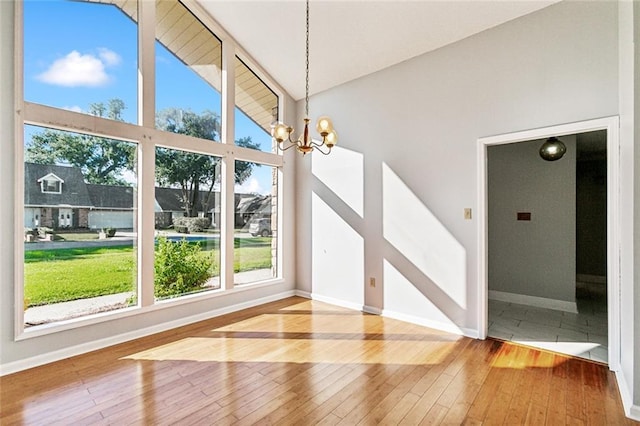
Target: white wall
<point x="7" y="184"/>
<point x="633" y="116"/>
<point x="411" y="131"/>
<point x="635" y="409"/>
<point x="537" y="257"/>
<point x="629" y="99"/>
<point x="16" y="355"/>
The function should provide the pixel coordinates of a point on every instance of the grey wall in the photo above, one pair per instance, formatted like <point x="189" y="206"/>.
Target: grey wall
<point x="536" y="257"/>
<point x="411" y="133"/>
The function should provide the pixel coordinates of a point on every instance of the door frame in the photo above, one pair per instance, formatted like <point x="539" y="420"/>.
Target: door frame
<point x="611" y="125"/>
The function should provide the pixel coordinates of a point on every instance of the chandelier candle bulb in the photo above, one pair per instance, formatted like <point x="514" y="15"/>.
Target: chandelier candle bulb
<point x="331" y="139"/>
<point x="281" y="132"/>
<point x="324" y="126"/>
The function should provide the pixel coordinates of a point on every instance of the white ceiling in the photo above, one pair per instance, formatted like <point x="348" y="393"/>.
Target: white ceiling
<point x="353" y="38"/>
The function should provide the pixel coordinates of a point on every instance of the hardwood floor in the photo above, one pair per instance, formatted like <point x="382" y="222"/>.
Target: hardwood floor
<point x="297" y="361"/>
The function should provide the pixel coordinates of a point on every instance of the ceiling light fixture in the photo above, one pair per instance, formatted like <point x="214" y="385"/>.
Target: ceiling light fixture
<point x="305" y="143"/>
<point x="553" y="149"/>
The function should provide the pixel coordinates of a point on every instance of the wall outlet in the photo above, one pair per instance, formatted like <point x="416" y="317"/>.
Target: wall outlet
<point x="372" y="282"/>
<point x="467" y="213"/>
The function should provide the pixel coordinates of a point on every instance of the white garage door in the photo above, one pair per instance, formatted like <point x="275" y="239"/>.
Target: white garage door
<point x="120" y="220"/>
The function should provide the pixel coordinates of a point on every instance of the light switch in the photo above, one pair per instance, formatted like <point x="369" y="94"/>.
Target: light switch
<point x="467" y="213"/>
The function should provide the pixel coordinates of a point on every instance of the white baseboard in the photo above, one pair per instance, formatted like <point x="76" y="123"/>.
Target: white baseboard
<point x="304" y="294"/>
<point x="436" y="325"/>
<point x="632" y="411"/>
<point x="540" y="302"/>
<point x="586" y="278"/>
<point x="371" y="310"/>
<point x="337" y="302"/>
<point x="399" y="316"/>
<point x="49" y="357"/>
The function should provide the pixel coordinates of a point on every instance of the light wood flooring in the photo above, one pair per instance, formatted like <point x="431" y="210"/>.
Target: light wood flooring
<point x="301" y="362"/>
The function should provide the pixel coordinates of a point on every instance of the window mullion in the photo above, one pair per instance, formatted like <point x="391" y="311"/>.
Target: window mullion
<point x="18" y="166"/>
<point x="228" y="166"/>
<point x="146" y="151"/>
<point x="146" y="63"/>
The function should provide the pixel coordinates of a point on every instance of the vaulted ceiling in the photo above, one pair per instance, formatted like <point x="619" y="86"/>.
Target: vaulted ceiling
<point x="353" y="38"/>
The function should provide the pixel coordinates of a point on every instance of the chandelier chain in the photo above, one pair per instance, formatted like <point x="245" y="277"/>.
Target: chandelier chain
<point x="305" y="144"/>
<point x="306" y="98"/>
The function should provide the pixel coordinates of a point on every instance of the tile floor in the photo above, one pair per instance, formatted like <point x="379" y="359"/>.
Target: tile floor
<point x="583" y="334"/>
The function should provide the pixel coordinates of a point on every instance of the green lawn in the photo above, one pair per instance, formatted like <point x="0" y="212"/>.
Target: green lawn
<point x="251" y="253"/>
<point x="53" y="276"/>
<point x="59" y="275"/>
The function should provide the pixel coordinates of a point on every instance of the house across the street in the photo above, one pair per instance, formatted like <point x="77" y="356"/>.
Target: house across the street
<point x="58" y="197"/>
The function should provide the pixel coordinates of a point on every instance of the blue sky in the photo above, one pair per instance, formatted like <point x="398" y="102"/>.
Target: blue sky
<point x="79" y="53"/>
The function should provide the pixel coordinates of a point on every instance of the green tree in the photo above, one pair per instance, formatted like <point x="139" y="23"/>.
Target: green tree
<point x="101" y="160"/>
<point x="104" y="161"/>
<point x="195" y="174"/>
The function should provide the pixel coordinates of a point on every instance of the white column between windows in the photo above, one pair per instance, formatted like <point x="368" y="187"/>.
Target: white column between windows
<point x="146" y="152"/>
<point x="228" y="167"/>
<point x="15" y="52"/>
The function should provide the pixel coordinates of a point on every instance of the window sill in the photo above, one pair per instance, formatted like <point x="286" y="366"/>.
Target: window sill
<point x="103" y="317"/>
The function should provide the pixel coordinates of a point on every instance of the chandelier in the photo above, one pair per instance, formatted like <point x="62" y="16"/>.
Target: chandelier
<point x="305" y="143"/>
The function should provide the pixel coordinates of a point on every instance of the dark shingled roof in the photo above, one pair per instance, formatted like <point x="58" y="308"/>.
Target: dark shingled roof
<point x="112" y="196"/>
<point x="170" y="199"/>
<point x="78" y="194"/>
<point x="255" y="204"/>
<point x="74" y="191"/>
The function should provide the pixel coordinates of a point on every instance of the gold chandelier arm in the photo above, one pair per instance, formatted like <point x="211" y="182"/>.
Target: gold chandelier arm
<point x="291" y="145"/>
<point x="321" y="151"/>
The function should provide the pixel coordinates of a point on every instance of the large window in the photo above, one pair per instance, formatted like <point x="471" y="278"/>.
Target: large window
<point x="82" y="57"/>
<point x="256" y="223"/>
<point x="187" y="214"/>
<point x="113" y="204"/>
<point x="188" y="73"/>
<point x="256" y="110"/>
<point x="80" y="241"/>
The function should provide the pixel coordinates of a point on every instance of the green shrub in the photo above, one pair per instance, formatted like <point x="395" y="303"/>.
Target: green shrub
<point x="193" y="224"/>
<point x="180" y="229"/>
<point x="179" y="268"/>
<point x="110" y="232"/>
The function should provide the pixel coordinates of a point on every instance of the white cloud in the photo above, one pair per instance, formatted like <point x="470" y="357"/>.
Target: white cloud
<point x="251" y="186"/>
<point x="76" y="69"/>
<point x="109" y="57"/>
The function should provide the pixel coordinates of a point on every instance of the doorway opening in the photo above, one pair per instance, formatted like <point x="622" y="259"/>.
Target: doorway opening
<point x="547" y="234"/>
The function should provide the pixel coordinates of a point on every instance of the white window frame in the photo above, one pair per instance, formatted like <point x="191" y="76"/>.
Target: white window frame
<point x="144" y="135"/>
<point x="44" y="182"/>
